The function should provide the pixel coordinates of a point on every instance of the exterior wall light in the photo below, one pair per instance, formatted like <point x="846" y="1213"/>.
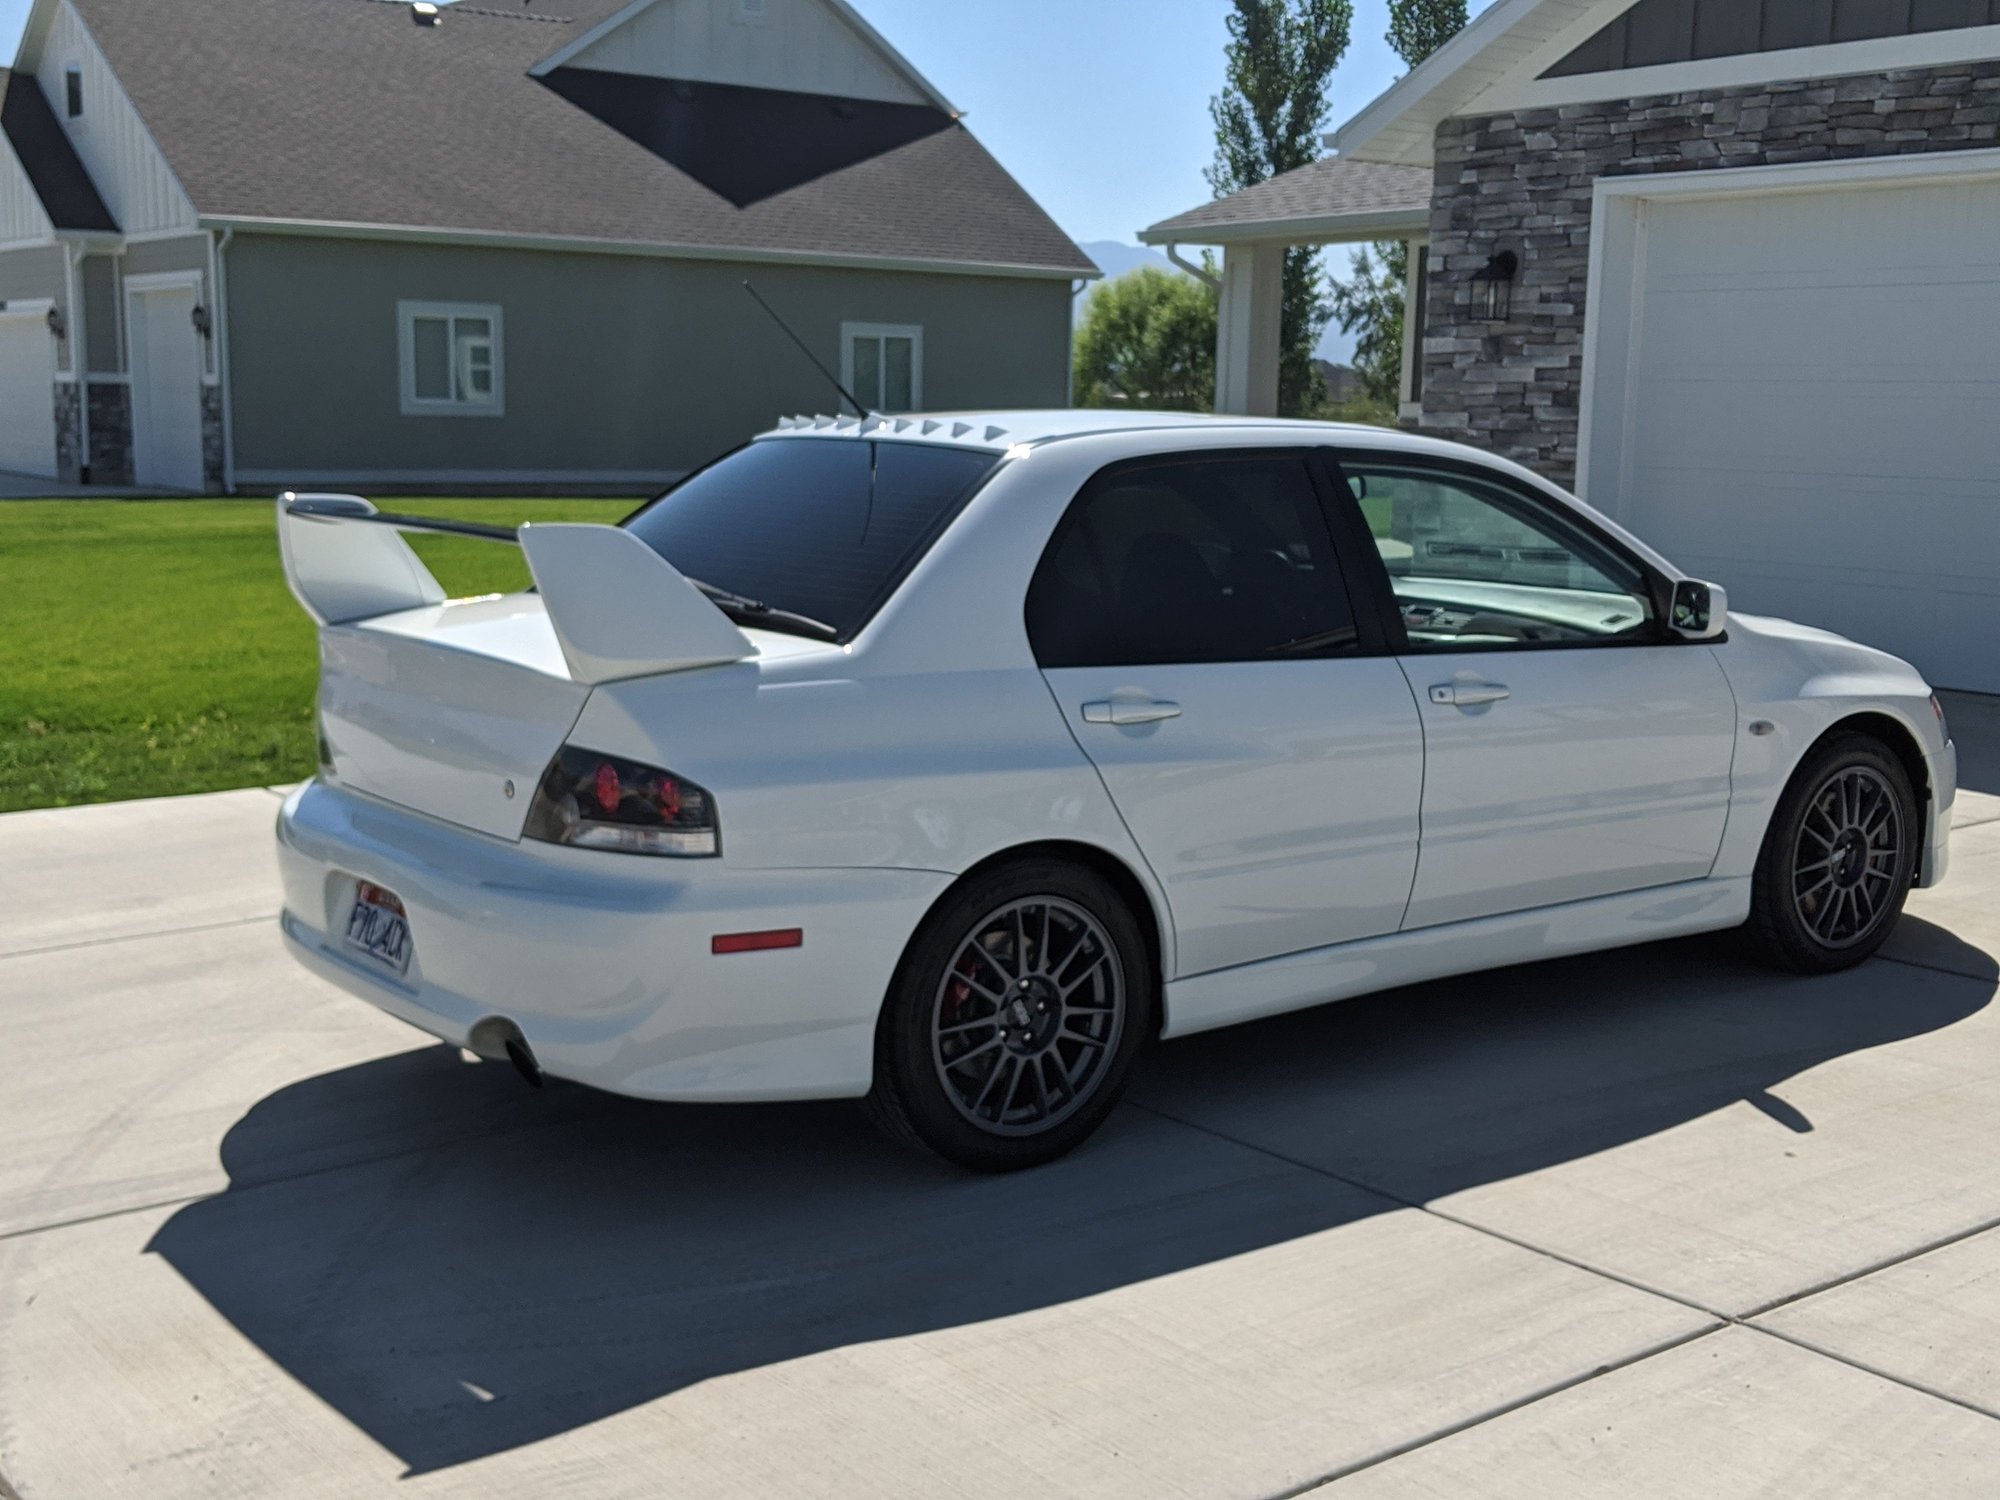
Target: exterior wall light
<point x="58" y="324"/>
<point x="203" y="323"/>
<point x="1493" y="288"/>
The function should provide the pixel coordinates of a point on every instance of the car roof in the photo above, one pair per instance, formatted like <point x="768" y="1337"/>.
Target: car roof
<point x="1000" y="431"/>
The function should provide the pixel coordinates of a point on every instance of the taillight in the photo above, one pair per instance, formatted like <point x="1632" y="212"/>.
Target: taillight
<point x="1938" y="709"/>
<point x="594" y="801"/>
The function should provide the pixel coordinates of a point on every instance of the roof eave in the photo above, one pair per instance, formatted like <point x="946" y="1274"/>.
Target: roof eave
<point x="1323" y="229"/>
<point x="41" y="16"/>
<point x="1448" y="81"/>
<point x="505" y="240"/>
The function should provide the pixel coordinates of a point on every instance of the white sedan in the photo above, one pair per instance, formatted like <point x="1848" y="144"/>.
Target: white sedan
<point x="945" y="762"/>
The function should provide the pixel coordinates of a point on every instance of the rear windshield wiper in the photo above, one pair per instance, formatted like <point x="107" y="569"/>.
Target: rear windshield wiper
<point x="757" y="612"/>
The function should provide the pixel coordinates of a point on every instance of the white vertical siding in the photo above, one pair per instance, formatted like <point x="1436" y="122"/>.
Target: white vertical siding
<point x="21" y="213"/>
<point x="800" y="45"/>
<point x="132" y="176"/>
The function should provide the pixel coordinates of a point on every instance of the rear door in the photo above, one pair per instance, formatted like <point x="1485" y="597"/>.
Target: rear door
<point x="1193" y="623"/>
<point x="1572" y="748"/>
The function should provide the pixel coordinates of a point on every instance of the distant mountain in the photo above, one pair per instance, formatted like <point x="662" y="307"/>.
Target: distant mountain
<point x="1114" y="259"/>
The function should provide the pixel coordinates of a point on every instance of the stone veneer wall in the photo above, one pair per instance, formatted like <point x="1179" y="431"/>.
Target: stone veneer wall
<point x="110" y="433"/>
<point x="211" y="437"/>
<point x="1523" y="181"/>
<point x="69" y="431"/>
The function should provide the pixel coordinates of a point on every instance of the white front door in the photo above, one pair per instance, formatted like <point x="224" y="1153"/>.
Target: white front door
<point x="1194" y="627"/>
<point x="166" y="389"/>
<point x="27" y="395"/>
<point x="1571" y="751"/>
<point x="1813" y="413"/>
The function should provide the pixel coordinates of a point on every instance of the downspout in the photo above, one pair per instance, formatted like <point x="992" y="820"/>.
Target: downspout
<point x="1069" y="378"/>
<point x="1199" y="273"/>
<point x="79" y="356"/>
<point x="222" y="375"/>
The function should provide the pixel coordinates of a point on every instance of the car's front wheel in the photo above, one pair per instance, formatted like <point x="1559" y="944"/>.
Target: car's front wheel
<point x="1011" y="1026"/>
<point x="1838" y="860"/>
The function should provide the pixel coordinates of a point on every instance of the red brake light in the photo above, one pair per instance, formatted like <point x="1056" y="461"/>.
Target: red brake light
<point x="594" y="801"/>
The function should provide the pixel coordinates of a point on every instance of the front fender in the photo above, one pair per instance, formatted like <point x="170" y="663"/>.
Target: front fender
<point x="1802" y="683"/>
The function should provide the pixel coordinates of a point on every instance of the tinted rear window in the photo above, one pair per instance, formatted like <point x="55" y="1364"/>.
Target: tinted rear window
<point x="821" y="527"/>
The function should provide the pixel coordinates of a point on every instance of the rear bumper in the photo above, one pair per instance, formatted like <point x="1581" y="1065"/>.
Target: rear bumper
<point x="603" y="960"/>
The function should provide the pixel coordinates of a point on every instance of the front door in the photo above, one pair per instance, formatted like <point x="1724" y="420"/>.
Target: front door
<point x="1193" y="625"/>
<point x="166" y="388"/>
<point x="1573" y="750"/>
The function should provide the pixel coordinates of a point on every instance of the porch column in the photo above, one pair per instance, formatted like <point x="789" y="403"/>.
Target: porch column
<point x="1248" y="335"/>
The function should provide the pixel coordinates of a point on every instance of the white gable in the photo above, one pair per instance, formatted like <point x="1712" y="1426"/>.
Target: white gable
<point x="804" y="46"/>
<point x="22" y="218"/>
<point x="116" y="148"/>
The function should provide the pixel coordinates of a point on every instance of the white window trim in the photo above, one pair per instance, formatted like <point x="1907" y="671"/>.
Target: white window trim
<point x="1607" y="412"/>
<point x="407" y="314"/>
<point x="914" y="332"/>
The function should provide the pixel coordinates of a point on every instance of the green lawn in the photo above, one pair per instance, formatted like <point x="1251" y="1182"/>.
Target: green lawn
<point x="150" y="648"/>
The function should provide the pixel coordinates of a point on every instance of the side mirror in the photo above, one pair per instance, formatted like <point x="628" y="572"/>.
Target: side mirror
<point x="1701" y="610"/>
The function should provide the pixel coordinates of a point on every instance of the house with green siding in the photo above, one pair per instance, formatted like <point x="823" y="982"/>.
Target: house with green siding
<point x="252" y="244"/>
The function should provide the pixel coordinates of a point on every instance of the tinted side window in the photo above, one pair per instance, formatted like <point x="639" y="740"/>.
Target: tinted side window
<point x="1478" y="565"/>
<point x="1216" y="560"/>
<point x="821" y="526"/>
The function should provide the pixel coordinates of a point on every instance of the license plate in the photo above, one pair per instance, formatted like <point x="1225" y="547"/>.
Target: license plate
<point x="379" y="927"/>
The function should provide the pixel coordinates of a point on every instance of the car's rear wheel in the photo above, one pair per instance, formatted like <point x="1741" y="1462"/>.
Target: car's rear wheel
<point x="1010" y="1029"/>
<point x="1838" y="859"/>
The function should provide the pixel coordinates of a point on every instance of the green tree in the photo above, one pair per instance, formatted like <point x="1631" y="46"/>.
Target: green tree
<point x="1268" y="120"/>
<point x="1417" y="28"/>
<point x="1148" y="340"/>
<point x="1370" y="304"/>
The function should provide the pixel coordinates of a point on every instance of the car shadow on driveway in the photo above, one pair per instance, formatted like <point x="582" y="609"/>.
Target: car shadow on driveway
<point x="583" y="1254"/>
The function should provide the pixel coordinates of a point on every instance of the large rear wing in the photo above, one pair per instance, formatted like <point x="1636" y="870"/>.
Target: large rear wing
<point x="617" y="607"/>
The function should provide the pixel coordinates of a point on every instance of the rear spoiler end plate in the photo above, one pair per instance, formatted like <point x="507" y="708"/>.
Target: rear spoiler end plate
<point x="617" y="607"/>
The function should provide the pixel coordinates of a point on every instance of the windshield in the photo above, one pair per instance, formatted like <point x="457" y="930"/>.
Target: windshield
<point x="816" y="529"/>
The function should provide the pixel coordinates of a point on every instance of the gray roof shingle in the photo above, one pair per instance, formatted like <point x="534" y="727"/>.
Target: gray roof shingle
<point x="344" y="111"/>
<point x="1329" y="189"/>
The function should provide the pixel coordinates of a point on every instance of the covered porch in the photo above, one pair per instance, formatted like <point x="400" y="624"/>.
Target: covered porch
<point x="1334" y="201"/>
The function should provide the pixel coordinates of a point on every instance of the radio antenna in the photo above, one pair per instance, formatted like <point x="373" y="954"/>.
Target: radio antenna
<point x="845" y="394"/>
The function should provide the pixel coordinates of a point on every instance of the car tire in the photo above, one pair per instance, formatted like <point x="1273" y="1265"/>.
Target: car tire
<point x="1838" y="859"/>
<point x="1039" y="965"/>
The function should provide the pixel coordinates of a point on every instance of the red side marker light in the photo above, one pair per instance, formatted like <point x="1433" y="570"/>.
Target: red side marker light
<point x="757" y="942"/>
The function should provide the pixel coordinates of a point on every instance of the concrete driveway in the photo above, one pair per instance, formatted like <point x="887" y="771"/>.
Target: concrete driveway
<point x="1646" y="1224"/>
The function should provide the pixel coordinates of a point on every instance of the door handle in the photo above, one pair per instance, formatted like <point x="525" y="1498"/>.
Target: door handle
<point x="1469" y="694"/>
<point x="1129" y="711"/>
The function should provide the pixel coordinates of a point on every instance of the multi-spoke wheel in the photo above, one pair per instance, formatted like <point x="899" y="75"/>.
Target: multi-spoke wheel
<point x="1838" y="859"/>
<point x="1012" y="1023"/>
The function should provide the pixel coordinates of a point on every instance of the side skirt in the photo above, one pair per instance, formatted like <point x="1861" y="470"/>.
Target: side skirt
<point x="1275" y="985"/>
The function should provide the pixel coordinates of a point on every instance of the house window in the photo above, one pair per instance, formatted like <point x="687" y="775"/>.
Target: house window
<point x="883" y="365"/>
<point x="452" y="359"/>
<point x="73" y="86"/>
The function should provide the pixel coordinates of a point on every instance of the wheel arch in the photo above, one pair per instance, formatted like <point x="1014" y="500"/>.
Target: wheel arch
<point x="1113" y="869"/>
<point x="1900" y="741"/>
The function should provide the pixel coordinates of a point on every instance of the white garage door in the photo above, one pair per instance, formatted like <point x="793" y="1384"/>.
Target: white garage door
<point x="27" y="395"/>
<point x="1816" y="412"/>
